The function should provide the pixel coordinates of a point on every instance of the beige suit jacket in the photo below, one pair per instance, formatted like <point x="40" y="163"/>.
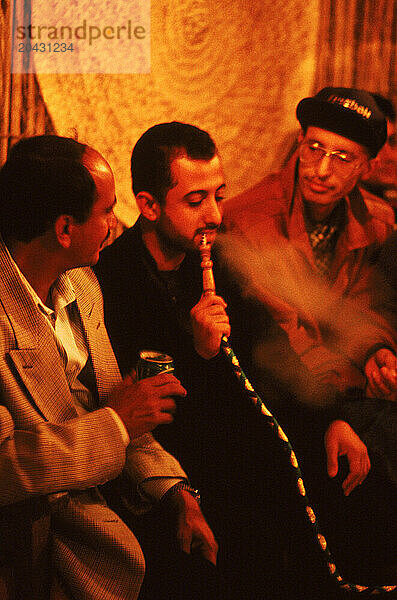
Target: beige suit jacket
<point x="51" y="459"/>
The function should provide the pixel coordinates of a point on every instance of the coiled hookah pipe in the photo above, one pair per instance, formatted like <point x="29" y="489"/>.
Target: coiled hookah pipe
<point x="209" y="289"/>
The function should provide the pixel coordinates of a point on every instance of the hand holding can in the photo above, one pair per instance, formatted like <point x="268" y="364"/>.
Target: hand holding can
<point x="149" y="401"/>
<point x="151" y="363"/>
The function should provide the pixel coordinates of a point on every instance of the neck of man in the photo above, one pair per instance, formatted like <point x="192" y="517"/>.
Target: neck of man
<point x="166" y="257"/>
<point x="40" y="266"/>
<point x="318" y="213"/>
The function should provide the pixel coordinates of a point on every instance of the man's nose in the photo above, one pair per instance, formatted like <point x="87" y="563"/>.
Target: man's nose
<point x="213" y="212"/>
<point x="324" y="166"/>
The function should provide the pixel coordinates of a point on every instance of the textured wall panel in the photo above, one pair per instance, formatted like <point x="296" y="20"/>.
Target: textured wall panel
<point x="236" y="68"/>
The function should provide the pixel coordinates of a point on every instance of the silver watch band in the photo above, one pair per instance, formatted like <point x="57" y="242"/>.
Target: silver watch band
<point x="182" y="485"/>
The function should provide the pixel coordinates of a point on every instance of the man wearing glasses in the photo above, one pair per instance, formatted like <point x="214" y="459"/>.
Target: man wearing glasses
<point x="330" y="229"/>
<point x="334" y="227"/>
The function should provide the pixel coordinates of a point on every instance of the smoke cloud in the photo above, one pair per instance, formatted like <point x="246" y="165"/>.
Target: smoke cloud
<point x="330" y="332"/>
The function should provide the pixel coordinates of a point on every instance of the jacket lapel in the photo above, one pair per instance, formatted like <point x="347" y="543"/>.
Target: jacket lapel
<point x="90" y="305"/>
<point x="33" y="352"/>
<point x="42" y="374"/>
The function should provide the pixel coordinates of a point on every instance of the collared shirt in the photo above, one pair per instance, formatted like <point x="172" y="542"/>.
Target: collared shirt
<point x="323" y="236"/>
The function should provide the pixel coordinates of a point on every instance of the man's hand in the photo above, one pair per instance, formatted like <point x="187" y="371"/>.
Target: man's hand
<point x="144" y="404"/>
<point x="209" y="323"/>
<point x="381" y="372"/>
<point x="341" y="440"/>
<point x="193" y="533"/>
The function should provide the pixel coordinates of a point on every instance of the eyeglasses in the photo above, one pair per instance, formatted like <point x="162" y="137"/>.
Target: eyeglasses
<point x="343" y="163"/>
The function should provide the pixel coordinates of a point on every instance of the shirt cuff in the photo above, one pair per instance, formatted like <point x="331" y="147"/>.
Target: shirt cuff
<point x="154" y="489"/>
<point x="121" y="426"/>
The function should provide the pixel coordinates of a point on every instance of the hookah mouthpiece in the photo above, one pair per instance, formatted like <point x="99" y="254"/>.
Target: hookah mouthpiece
<point x="206" y="265"/>
<point x="203" y="241"/>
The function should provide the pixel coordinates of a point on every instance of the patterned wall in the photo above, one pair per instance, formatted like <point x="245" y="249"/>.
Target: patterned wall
<point x="236" y="68"/>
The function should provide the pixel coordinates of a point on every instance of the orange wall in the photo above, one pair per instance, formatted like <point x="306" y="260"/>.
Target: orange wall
<point x="236" y="68"/>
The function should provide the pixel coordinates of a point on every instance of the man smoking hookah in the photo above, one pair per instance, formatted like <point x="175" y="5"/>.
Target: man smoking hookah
<point x="152" y="284"/>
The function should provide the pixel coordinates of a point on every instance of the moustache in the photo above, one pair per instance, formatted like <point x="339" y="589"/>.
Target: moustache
<point x="208" y="229"/>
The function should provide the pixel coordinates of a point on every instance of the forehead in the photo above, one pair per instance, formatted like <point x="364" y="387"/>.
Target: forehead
<point x="190" y="174"/>
<point x="333" y="141"/>
<point x="102" y="175"/>
<point x="96" y="164"/>
<point x="101" y="172"/>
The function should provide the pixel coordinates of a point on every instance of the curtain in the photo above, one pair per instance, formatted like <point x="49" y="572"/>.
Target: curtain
<point x="23" y="111"/>
<point x="357" y="45"/>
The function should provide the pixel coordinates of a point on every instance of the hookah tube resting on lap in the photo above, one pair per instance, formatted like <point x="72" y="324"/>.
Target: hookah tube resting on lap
<point x="209" y="289"/>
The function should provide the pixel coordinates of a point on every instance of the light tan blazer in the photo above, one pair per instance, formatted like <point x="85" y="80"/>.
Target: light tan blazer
<point x="51" y="460"/>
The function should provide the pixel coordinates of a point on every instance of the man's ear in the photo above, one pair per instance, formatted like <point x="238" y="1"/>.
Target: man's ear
<point x="148" y="206"/>
<point x="63" y="230"/>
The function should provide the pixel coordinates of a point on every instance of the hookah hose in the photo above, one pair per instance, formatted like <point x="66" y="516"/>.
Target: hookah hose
<point x="209" y="289"/>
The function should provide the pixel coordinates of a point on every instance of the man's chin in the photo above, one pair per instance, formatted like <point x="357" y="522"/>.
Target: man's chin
<point x="93" y="260"/>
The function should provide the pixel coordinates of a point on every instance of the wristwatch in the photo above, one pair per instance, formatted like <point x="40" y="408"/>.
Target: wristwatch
<point x="182" y="485"/>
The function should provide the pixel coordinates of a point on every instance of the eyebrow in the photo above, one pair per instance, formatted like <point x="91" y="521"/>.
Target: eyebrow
<point x="203" y="193"/>
<point x="341" y="150"/>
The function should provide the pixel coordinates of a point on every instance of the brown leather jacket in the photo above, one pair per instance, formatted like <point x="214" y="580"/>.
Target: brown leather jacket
<point x="270" y="216"/>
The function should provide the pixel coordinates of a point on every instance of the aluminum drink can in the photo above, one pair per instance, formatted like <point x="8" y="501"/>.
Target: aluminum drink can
<point x="151" y="363"/>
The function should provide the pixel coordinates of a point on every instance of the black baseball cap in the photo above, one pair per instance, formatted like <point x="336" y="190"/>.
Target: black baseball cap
<point x="348" y="112"/>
